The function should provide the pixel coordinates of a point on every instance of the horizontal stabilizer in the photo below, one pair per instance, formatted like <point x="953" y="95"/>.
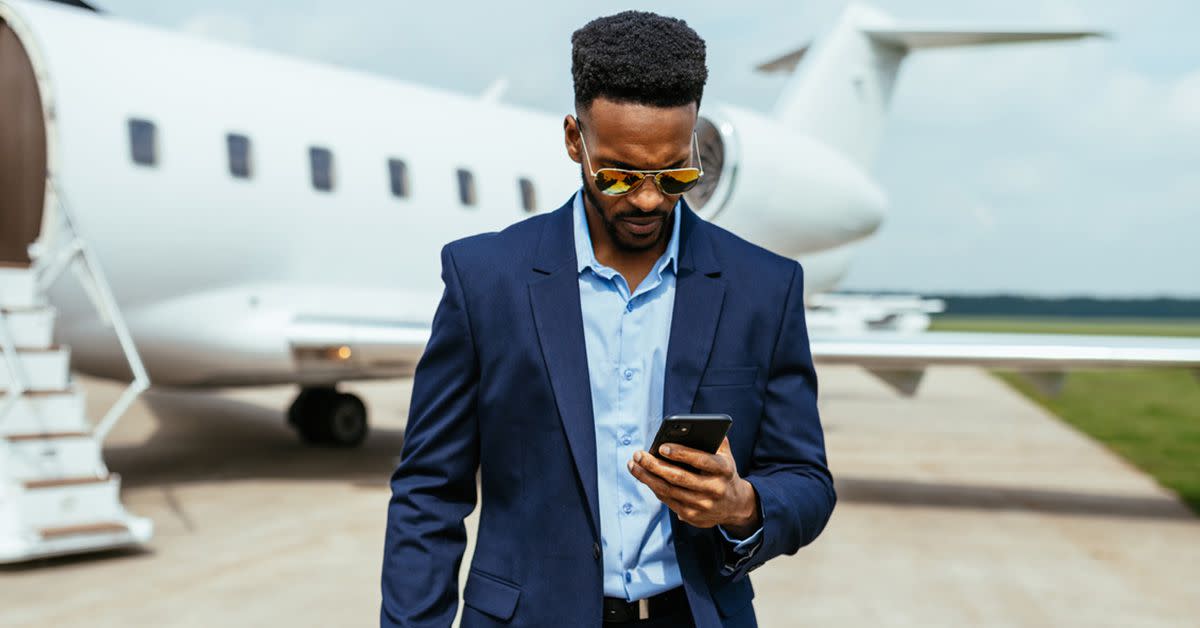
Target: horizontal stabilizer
<point x="913" y="39"/>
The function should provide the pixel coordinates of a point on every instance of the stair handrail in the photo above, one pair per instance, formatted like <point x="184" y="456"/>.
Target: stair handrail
<point x="76" y="253"/>
<point x="17" y="386"/>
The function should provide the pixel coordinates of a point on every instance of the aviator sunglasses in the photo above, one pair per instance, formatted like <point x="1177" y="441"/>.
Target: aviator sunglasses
<point x="619" y="181"/>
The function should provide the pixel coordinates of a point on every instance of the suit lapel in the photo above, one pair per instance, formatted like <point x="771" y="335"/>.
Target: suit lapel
<point x="554" y="296"/>
<point x="699" y="295"/>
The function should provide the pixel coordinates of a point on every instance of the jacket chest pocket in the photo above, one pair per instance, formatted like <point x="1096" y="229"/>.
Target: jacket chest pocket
<point x="729" y="376"/>
<point x="732" y="390"/>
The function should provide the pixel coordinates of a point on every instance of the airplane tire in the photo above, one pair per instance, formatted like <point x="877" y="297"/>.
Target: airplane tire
<point x="324" y="416"/>
<point x="345" y="421"/>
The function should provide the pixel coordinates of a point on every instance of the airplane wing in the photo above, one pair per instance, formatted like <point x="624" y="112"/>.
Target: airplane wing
<point x="322" y="334"/>
<point x="900" y="358"/>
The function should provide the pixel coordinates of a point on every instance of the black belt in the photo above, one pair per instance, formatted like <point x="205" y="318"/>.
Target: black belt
<point x="619" y="611"/>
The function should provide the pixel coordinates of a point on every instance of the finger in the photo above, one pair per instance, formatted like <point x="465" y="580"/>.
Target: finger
<point x="665" y="491"/>
<point x="670" y="472"/>
<point x="706" y="462"/>
<point x="688" y="513"/>
<point x="690" y="507"/>
<point x="660" y="487"/>
<point x="693" y="516"/>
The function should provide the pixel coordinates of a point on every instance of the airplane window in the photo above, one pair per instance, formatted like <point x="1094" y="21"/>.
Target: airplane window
<point x="398" y="173"/>
<point x="321" y="161"/>
<point x="466" y="187"/>
<point x="239" y="155"/>
<point x="528" y="197"/>
<point x="143" y="142"/>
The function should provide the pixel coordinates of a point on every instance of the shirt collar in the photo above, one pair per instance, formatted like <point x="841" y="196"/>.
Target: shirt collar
<point x="585" y="253"/>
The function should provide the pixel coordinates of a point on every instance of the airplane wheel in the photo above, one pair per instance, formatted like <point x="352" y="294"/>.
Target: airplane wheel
<point x="304" y="411"/>
<point x="324" y="416"/>
<point x="346" y="425"/>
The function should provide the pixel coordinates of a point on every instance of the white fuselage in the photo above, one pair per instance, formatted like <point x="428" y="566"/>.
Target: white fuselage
<point x="205" y="264"/>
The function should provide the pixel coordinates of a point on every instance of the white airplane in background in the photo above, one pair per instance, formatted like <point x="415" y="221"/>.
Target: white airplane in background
<point x="265" y="220"/>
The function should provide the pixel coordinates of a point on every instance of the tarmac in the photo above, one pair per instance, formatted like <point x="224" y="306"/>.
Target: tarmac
<point x="966" y="505"/>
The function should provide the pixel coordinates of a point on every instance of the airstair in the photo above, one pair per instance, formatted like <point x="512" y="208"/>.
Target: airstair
<point x="56" y="494"/>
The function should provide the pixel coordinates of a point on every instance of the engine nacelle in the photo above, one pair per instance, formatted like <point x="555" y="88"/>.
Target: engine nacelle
<point x="777" y="187"/>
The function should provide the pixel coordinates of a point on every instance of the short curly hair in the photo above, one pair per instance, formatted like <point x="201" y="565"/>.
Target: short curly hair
<point x="640" y="57"/>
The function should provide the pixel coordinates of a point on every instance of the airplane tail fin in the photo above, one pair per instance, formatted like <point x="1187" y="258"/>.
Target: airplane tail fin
<point x="841" y="93"/>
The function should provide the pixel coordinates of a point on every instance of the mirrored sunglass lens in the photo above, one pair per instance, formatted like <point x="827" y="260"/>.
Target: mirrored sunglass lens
<point x="615" y="182"/>
<point x="678" y="181"/>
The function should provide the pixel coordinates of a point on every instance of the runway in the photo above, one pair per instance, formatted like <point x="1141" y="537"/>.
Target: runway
<point x="967" y="505"/>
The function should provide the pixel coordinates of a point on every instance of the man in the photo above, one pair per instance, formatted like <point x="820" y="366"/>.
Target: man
<point x="558" y="347"/>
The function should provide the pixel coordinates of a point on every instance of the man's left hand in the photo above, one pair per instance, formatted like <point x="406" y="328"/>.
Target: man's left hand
<point x="713" y="495"/>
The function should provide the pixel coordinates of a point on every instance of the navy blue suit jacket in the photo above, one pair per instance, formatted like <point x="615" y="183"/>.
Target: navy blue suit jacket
<point x="502" y="388"/>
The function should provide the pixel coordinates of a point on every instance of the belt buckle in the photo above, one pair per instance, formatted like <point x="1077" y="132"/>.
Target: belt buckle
<point x="644" y="608"/>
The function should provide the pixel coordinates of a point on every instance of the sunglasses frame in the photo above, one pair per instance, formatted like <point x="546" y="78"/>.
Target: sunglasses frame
<point x="657" y="174"/>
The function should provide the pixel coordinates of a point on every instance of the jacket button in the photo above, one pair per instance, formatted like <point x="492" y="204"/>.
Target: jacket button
<point x="596" y="551"/>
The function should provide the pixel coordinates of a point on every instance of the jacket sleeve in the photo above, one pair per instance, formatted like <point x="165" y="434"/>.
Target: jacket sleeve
<point x="788" y="470"/>
<point x="433" y="487"/>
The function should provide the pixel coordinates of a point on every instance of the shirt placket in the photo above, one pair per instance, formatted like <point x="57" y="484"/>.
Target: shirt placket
<point x="626" y="434"/>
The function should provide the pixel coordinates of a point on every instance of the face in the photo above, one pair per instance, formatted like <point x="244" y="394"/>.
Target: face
<point x="634" y="137"/>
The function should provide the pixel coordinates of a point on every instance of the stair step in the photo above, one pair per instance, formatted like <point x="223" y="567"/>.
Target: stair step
<point x="44" y="436"/>
<point x="49" y="456"/>
<point x="69" y="501"/>
<point x="18" y="286"/>
<point x="86" y="536"/>
<point x="50" y="411"/>
<point x="102" y="527"/>
<point x="44" y="369"/>
<point x="71" y="481"/>
<point x="31" y="327"/>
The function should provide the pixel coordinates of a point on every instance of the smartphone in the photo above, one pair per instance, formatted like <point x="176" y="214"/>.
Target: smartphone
<point x="698" y="431"/>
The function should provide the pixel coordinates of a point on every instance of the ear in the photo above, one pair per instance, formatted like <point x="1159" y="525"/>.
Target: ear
<point x="571" y="138"/>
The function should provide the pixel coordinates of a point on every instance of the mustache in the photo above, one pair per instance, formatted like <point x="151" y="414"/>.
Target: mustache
<point x="640" y="214"/>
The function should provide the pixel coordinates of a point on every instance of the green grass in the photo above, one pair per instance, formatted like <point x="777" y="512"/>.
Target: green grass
<point x="1104" y="326"/>
<point x="1151" y="417"/>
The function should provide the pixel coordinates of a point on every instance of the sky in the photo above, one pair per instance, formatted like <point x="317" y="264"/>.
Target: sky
<point x="1054" y="169"/>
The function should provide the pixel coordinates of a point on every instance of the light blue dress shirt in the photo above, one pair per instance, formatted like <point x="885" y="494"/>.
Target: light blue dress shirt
<point x="626" y="337"/>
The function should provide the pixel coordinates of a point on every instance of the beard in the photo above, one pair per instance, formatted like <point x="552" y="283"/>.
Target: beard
<point x="619" y="240"/>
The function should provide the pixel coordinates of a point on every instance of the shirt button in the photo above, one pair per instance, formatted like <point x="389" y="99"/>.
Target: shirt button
<point x="628" y="577"/>
<point x="628" y="508"/>
<point x="626" y="440"/>
<point x="628" y="374"/>
<point x="629" y="306"/>
<point x="596" y="551"/>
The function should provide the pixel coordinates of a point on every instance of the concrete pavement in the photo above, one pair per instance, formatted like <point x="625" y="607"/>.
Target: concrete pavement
<point x="966" y="505"/>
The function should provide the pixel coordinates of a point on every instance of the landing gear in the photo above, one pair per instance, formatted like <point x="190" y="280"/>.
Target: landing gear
<point x="324" y="416"/>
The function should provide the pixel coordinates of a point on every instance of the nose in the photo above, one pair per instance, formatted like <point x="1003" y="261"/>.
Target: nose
<point x="647" y="197"/>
